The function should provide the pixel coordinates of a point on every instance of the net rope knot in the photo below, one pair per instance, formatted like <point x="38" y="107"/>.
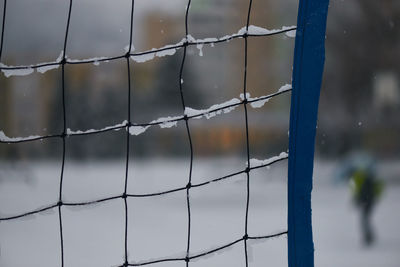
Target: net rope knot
<point x="189" y="185"/>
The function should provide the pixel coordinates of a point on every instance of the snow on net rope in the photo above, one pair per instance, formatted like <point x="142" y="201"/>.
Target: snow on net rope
<point x="133" y="128"/>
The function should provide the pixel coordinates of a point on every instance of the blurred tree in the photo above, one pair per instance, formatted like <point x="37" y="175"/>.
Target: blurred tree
<point x="363" y="40"/>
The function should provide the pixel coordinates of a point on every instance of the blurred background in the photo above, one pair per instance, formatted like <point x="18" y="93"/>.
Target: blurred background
<point x="358" y="130"/>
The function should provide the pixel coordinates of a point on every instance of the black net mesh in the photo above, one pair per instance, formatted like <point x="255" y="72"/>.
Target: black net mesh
<point x="133" y="128"/>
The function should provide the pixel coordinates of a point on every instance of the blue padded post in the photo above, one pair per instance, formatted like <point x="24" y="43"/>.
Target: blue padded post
<point x="309" y="56"/>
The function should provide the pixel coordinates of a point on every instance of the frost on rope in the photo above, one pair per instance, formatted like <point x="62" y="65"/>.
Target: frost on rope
<point x="95" y="60"/>
<point x="136" y="130"/>
<point x="5" y="138"/>
<point x="28" y="70"/>
<point x="47" y="68"/>
<point x="170" y="121"/>
<point x="16" y="72"/>
<point x="291" y="34"/>
<point x="284" y="88"/>
<point x="170" y="50"/>
<point x="164" y="122"/>
<point x="167" y="122"/>
<point x="209" y="113"/>
<point x="258" y="102"/>
<point x="167" y="50"/>
<point x="118" y="126"/>
<point x="258" y="162"/>
<point x="51" y="67"/>
<point x="255" y="30"/>
<point x="150" y="56"/>
<point x="200" y="47"/>
<point x="214" y="110"/>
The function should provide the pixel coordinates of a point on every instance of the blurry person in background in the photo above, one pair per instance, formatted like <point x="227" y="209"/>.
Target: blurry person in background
<point x="366" y="189"/>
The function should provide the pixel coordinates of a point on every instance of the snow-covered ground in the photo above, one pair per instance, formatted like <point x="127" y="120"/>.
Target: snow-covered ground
<point x="94" y="235"/>
<point x="337" y="233"/>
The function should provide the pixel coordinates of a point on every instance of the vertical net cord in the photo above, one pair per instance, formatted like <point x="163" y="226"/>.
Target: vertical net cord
<point x="188" y="186"/>
<point x="245" y="237"/>
<point x="64" y="133"/>
<point x="2" y="28"/>
<point x="124" y="196"/>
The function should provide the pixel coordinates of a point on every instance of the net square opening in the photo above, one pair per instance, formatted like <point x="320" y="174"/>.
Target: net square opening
<point x="98" y="28"/>
<point x="96" y="95"/>
<point x="156" y="91"/>
<point x="94" y="234"/>
<point x="213" y="73"/>
<point x="157" y="24"/>
<point x="94" y="169"/>
<point x="218" y="213"/>
<point x="34" y="31"/>
<point x="28" y="180"/>
<point x="31" y="241"/>
<point x="166" y="148"/>
<point x="30" y="105"/>
<point x="157" y="227"/>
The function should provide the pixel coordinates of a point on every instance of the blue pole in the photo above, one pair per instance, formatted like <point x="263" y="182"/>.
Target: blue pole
<point x="308" y="67"/>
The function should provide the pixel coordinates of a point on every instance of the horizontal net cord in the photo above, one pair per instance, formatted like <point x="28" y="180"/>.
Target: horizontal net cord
<point x="209" y="252"/>
<point x="160" y="121"/>
<point x="185" y="42"/>
<point x="283" y="156"/>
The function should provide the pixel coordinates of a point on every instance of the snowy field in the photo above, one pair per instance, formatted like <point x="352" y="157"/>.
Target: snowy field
<point x="94" y="235"/>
